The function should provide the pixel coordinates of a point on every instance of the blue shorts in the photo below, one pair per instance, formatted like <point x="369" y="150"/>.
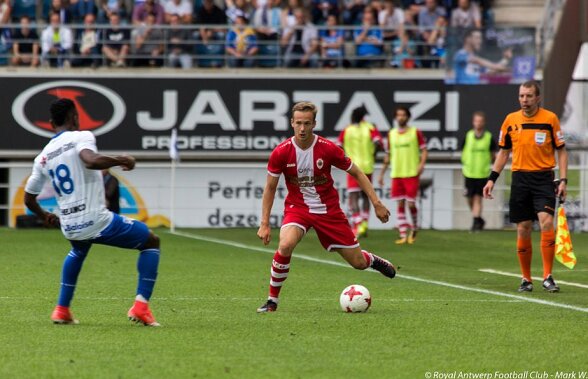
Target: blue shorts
<point x="121" y="232"/>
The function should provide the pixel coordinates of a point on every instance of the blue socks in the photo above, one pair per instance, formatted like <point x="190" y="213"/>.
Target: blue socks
<point x="147" y="267"/>
<point x="69" y="276"/>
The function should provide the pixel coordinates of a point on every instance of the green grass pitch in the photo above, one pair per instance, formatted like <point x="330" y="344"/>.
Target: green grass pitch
<point x="441" y="315"/>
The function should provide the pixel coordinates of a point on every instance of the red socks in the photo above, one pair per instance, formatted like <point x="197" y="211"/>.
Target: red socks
<point x="279" y="273"/>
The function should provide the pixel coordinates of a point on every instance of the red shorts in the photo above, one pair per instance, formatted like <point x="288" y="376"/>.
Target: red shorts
<point x="352" y="185"/>
<point x="405" y="188"/>
<point x="332" y="229"/>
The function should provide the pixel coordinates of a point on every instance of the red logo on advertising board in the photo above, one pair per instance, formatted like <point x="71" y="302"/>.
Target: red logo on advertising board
<point x="100" y="109"/>
<point x="86" y="121"/>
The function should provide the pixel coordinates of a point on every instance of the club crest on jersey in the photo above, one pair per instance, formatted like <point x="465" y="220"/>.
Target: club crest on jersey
<point x="540" y="137"/>
<point x="319" y="163"/>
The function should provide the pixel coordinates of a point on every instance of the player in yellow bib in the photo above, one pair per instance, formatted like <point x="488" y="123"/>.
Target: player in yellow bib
<point x="478" y="153"/>
<point x="360" y="140"/>
<point x="407" y="152"/>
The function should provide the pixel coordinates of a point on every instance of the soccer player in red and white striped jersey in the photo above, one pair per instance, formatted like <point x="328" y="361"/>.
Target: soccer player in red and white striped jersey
<point x="305" y="160"/>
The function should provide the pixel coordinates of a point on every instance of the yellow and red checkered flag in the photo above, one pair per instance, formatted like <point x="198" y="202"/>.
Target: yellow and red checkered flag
<point x="564" y="252"/>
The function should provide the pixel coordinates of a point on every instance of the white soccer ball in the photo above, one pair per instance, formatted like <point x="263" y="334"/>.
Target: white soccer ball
<point x="355" y="298"/>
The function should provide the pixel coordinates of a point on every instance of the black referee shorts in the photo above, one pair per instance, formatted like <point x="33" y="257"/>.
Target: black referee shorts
<point x="531" y="193"/>
<point x="474" y="186"/>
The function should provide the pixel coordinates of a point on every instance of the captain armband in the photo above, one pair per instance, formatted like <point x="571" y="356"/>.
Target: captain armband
<point x="494" y="176"/>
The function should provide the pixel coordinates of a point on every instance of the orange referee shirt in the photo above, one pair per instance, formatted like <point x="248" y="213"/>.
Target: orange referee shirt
<point x="533" y="140"/>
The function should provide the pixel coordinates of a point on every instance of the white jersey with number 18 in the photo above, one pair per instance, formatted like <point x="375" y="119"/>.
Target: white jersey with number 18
<point x="79" y="191"/>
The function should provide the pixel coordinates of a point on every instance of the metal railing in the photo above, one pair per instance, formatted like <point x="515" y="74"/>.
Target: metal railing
<point x="212" y="51"/>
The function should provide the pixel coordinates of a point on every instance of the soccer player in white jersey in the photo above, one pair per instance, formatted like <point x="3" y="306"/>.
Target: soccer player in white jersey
<point x="72" y="163"/>
<point x="312" y="201"/>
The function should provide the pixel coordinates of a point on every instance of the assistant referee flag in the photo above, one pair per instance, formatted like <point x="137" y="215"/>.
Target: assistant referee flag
<point x="564" y="252"/>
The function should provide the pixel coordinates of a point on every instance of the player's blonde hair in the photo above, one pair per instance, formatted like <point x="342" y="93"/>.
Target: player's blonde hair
<point x="304" y="106"/>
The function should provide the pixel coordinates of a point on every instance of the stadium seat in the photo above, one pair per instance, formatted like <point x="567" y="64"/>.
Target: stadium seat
<point x="269" y="54"/>
<point x="214" y="49"/>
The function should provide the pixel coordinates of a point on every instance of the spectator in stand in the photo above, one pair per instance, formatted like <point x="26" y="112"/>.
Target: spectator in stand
<point x="412" y="8"/>
<point x="352" y="11"/>
<point x="300" y="42"/>
<point x="25" y="47"/>
<point x="405" y="50"/>
<point x="5" y="33"/>
<point x="149" y="44"/>
<point x="241" y="44"/>
<point x="266" y="19"/>
<point x="321" y="9"/>
<point x="81" y="8"/>
<point x="25" y="8"/>
<point x="5" y="12"/>
<point x="115" y="45"/>
<point x="486" y="11"/>
<point x="236" y="7"/>
<point x="56" y="43"/>
<point x="183" y="8"/>
<point x="88" y="49"/>
<point x="287" y="17"/>
<point x="178" y="44"/>
<point x="391" y="19"/>
<point x="142" y="10"/>
<point x="107" y="7"/>
<point x="432" y="24"/>
<point x="377" y="5"/>
<point x="466" y="15"/>
<point x="332" y="42"/>
<point x="61" y="8"/>
<point x="369" y="41"/>
<point x="210" y="14"/>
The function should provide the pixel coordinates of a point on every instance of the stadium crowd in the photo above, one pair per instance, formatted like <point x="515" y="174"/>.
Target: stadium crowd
<point x="235" y="33"/>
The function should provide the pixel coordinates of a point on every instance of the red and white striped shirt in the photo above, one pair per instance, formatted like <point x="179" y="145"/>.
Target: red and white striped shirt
<point x="308" y="174"/>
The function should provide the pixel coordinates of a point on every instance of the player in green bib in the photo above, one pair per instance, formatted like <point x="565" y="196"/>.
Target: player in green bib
<point x="360" y="140"/>
<point x="478" y="152"/>
<point x="407" y="152"/>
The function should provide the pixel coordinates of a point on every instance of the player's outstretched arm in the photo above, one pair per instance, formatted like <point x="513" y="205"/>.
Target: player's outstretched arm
<point x="499" y="163"/>
<point x="269" y="193"/>
<point x="95" y="161"/>
<point x="366" y="186"/>
<point x="49" y="219"/>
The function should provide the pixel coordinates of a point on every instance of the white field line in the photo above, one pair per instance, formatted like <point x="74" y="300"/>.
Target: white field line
<point x="538" y="278"/>
<point x="215" y="298"/>
<point x="407" y="277"/>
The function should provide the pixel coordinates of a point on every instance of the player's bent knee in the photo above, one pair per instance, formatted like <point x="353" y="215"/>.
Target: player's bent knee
<point x="152" y="241"/>
<point x="286" y="250"/>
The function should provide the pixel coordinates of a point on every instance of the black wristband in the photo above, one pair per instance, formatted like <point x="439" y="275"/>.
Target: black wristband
<point x="565" y="180"/>
<point x="494" y="176"/>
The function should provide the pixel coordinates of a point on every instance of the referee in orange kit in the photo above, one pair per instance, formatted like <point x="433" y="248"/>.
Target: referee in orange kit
<point x="534" y="135"/>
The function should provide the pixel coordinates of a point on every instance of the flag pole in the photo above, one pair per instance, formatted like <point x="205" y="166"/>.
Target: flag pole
<point x="174" y="155"/>
<point x="172" y="197"/>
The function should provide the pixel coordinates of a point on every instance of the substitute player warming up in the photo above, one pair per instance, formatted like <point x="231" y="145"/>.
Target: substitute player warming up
<point x="72" y="164"/>
<point x="407" y="153"/>
<point x="312" y="201"/>
<point x="534" y="135"/>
